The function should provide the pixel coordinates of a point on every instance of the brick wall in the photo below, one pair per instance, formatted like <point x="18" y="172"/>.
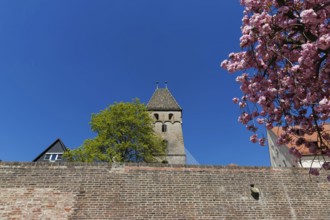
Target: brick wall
<point x="133" y="191"/>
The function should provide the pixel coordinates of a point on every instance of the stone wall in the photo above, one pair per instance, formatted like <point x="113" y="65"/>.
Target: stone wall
<point x="173" y="135"/>
<point x="140" y="191"/>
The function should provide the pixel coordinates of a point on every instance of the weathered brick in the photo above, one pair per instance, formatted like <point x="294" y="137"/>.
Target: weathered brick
<point x="156" y="191"/>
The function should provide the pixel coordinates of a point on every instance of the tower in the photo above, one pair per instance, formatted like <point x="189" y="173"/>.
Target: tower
<point x="167" y="115"/>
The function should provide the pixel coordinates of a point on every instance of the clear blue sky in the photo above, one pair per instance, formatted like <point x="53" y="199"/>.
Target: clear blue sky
<point x="61" y="61"/>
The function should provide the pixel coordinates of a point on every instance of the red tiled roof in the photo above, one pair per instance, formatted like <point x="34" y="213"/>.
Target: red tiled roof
<point x="302" y="148"/>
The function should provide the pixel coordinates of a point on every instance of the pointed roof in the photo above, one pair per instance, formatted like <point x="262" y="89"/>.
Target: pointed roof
<point x="58" y="146"/>
<point x="162" y="100"/>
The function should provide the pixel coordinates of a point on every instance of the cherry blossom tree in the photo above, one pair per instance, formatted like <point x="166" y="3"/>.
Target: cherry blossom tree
<point x="285" y="71"/>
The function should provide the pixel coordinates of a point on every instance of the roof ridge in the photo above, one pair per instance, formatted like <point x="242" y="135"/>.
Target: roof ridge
<point x="173" y="97"/>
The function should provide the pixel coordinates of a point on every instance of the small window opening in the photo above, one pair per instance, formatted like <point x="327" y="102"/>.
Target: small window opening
<point x="298" y="131"/>
<point x="312" y="143"/>
<point x="164" y="128"/>
<point x="284" y="163"/>
<point x="156" y="116"/>
<point x="53" y="157"/>
<point x="170" y="116"/>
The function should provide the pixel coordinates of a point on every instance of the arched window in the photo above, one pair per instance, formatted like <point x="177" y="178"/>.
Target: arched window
<point x="164" y="127"/>
<point x="156" y="116"/>
<point x="170" y="116"/>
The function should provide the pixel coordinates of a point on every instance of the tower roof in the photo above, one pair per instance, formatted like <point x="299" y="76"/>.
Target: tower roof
<point x="162" y="100"/>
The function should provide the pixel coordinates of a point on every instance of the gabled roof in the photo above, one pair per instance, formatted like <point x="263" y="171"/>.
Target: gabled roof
<point x="58" y="144"/>
<point x="162" y="100"/>
<point x="277" y="131"/>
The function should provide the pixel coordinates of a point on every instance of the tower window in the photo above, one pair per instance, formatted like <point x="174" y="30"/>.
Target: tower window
<point x="156" y="116"/>
<point x="164" y="128"/>
<point x="170" y="116"/>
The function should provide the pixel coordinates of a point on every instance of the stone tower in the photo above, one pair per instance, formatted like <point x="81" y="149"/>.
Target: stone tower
<point x="167" y="115"/>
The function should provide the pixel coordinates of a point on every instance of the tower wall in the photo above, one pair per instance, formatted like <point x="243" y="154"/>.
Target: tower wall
<point x="168" y="124"/>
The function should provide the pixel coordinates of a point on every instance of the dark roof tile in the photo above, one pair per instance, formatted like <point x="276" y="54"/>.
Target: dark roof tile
<point x="162" y="100"/>
<point x="57" y="144"/>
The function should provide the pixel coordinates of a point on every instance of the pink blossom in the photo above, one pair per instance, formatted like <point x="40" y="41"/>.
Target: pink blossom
<point x="269" y="126"/>
<point x="260" y="120"/>
<point x="326" y="165"/>
<point x="262" y="141"/>
<point x="266" y="28"/>
<point x="308" y="16"/>
<point x="324" y="41"/>
<point x="254" y="138"/>
<point x="324" y="101"/>
<point x="251" y="128"/>
<point x="295" y="68"/>
<point x="314" y="171"/>
<point x="244" y="118"/>
<point x="242" y="104"/>
<point x="235" y="100"/>
<point x="295" y="152"/>
<point x="262" y="100"/>
<point x="263" y="113"/>
<point x="288" y="119"/>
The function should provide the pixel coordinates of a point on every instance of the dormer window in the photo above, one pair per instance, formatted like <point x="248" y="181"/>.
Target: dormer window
<point x="53" y="157"/>
<point x="164" y="128"/>
<point x="170" y="116"/>
<point x="298" y="131"/>
<point x="156" y="116"/>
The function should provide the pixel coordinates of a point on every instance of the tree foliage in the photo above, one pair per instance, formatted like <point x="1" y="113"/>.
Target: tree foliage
<point x="124" y="134"/>
<point x="286" y="70"/>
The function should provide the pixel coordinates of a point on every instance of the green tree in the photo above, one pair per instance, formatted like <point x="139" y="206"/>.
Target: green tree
<point x="124" y="134"/>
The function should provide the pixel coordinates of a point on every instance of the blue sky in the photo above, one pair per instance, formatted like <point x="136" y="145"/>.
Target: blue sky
<point x="61" y="61"/>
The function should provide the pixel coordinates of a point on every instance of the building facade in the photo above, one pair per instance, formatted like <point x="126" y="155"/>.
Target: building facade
<point x="53" y="153"/>
<point x="280" y="155"/>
